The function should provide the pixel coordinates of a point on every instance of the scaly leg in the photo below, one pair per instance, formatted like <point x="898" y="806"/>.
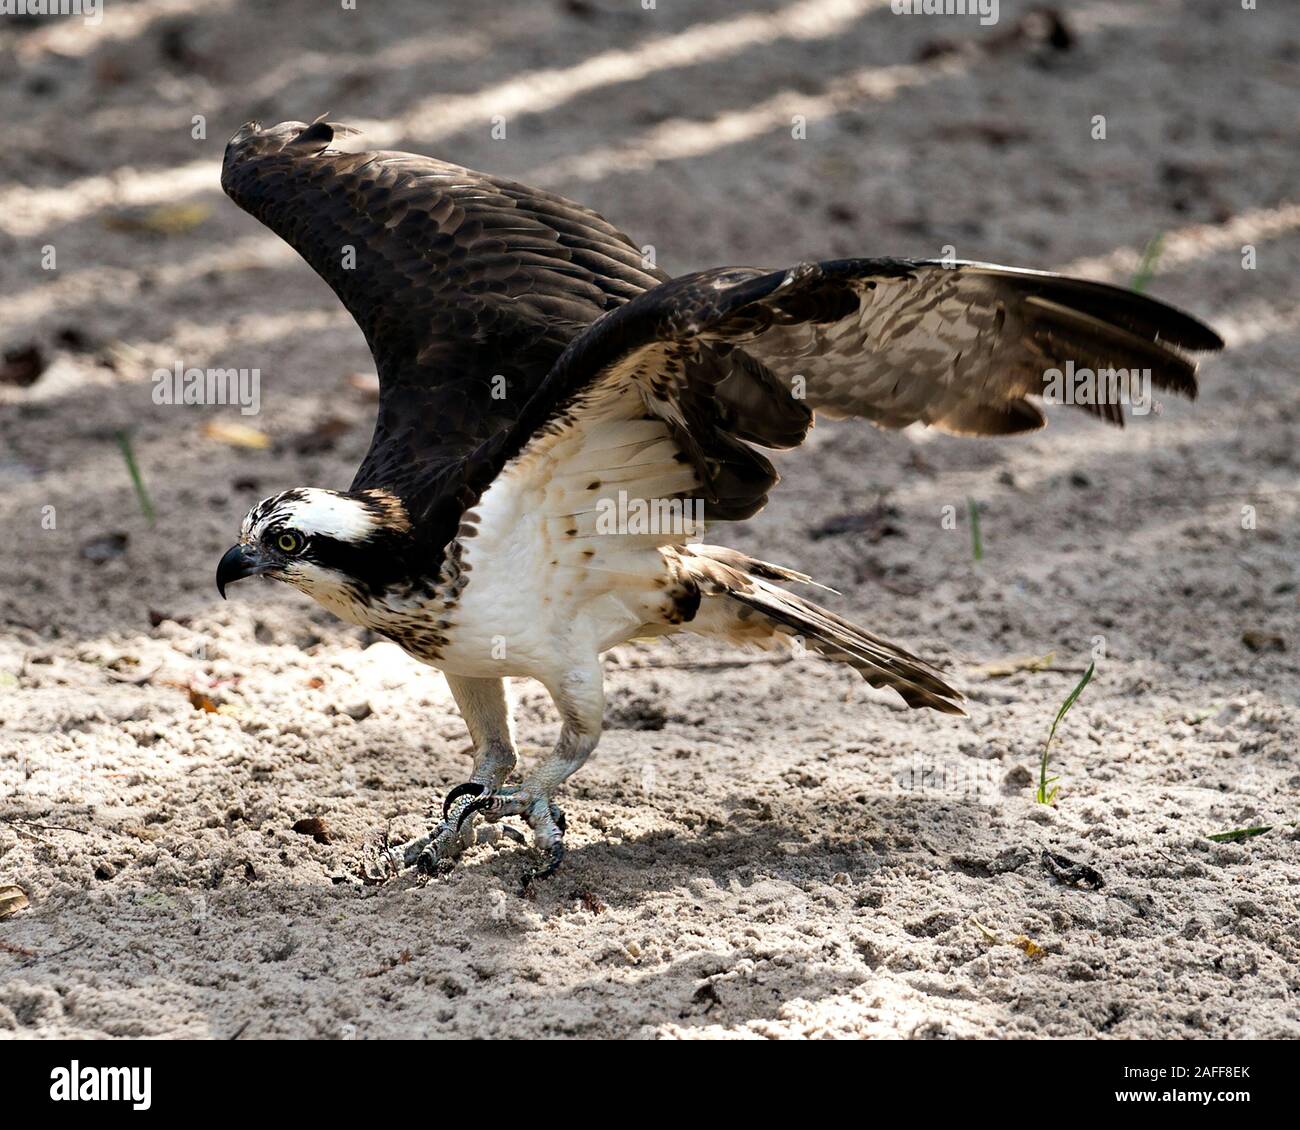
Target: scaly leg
<point x="483" y="706"/>
<point x="580" y="699"/>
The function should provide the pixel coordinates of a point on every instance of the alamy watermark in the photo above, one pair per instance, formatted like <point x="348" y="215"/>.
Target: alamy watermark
<point x="179" y="385"/>
<point x="987" y="10"/>
<point x="92" y="11"/>
<point x="1082" y="386"/>
<point x="102" y="1084"/>
<point x="667" y="516"/>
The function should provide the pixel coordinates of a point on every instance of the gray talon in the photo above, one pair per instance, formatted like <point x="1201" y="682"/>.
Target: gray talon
<point x="434" y="854"/>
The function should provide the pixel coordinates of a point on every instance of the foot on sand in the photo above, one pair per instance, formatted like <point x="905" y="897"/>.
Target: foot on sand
<point x="436" y="853"/>
<point x="543" y="816"/>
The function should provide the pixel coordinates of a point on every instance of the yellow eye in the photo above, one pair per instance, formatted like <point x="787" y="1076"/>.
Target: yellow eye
<point x="289" y="543"/>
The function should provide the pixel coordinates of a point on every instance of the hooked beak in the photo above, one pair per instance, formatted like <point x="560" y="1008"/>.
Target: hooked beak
<point x="238" y="562"/>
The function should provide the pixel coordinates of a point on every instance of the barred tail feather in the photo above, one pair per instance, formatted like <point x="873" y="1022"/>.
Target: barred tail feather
<point x="746" y="607"/>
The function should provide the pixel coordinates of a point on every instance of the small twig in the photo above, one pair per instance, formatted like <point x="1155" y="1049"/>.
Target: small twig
<point x="1051" y="669"/>
<point x="42" y="827"/>
<point x="59" y="953"/>
<point x="33" y="836"/>
<point x="1032" y="665"/>
<point x="710" y="664"/>
<point x="133" y="680"/>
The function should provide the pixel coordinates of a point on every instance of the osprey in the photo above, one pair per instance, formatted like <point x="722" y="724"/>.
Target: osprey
<point x="554" y="415"/>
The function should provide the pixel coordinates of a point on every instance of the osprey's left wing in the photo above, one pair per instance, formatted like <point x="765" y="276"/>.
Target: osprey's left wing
<point x="967" y="348"/>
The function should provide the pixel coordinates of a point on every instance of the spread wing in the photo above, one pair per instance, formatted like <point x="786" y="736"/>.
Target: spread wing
<point x="499" y="316"/>
<point x="467" y="287"/>
<point x="967" y="347"/>
<point x="960" y="346"/>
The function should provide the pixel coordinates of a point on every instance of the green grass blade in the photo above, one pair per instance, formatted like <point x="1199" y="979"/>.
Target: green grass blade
<point x="1042" y="796"/>
<point x="128" y="454"/>
<point x="1073" y="697"/>
<point x="1240" y="834"/>
<point x="1147" y="266"/>
<point x="976" y="542"/>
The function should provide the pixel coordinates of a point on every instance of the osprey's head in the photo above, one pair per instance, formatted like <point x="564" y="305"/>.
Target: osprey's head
<point x="339" y="548"/>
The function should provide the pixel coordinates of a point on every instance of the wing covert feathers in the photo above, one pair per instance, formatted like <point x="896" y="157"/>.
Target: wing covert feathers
<point x="467" y="287"/>
<point x="738" y="358"/>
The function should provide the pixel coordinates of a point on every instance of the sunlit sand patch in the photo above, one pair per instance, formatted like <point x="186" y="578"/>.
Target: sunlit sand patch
<point x="69" y="289"/>
<point x="538" y="91"/>
<point x="26" y="211"/>
<point x="682" y="138"/>
<point x="118" y="22"/>
<point x="1189" y="244"/>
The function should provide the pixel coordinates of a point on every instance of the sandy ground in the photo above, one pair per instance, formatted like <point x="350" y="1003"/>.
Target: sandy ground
<point x="759" y="850"/>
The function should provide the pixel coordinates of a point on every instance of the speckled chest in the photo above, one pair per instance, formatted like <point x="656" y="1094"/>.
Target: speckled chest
<point x="419" y="616"/>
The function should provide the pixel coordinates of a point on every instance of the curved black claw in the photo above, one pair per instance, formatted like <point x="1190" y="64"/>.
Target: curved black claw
<point x="427" y="862"/>
<point x="557" y="814"/>
<point x="469" y="788"/>
<point x="473" y="807"/>
<point x="555" y="856"/>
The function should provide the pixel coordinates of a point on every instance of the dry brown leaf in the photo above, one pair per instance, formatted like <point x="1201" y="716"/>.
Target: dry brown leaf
<point x="1260" y="641"/>
<point x="321" y="436"/>
<point x="1021" y="941"/>
<point x="12" y="900"/>
<point x="201" y="701"/>
<point x="236" y="435"/>
<point x="1031" y="947"/>
<point x="314" y="827"/>
<point x="165" y="219"/>
<point x="1001" y="668"/>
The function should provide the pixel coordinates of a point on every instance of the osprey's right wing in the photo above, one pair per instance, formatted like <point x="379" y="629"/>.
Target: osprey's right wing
<point x="467" y="287"/>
